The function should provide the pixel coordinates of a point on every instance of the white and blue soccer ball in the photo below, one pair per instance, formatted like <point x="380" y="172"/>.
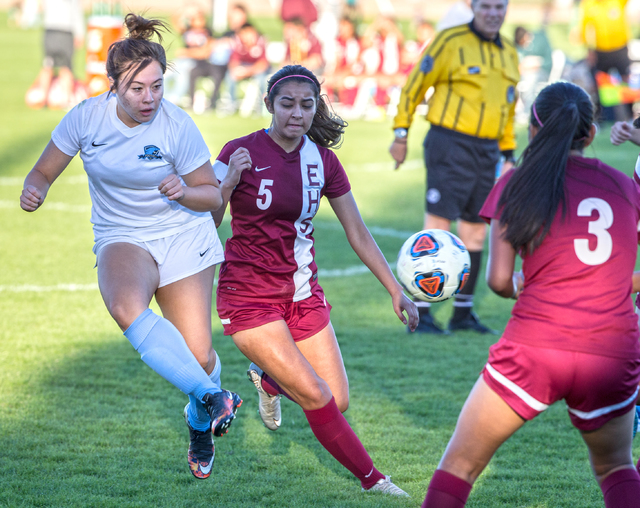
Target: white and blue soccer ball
<point x="433" y="265"/>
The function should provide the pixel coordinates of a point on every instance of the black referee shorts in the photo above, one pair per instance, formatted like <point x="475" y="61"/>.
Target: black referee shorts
<point x="618" y="59"/>
<point x="461" y="171"/>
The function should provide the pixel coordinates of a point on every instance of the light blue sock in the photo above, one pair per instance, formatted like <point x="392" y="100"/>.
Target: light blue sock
<point x="163" y="348"/>
<point x="198" y="417"/>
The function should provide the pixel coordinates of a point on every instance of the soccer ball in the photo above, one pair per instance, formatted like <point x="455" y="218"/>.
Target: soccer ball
<point x="433" y="265"/>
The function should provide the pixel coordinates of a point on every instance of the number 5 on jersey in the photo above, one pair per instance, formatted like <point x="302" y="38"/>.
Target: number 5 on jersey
<point x="265" y="197"/>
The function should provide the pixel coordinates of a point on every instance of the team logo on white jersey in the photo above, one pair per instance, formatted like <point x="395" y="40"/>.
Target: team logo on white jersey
<point x="151" y="152"/>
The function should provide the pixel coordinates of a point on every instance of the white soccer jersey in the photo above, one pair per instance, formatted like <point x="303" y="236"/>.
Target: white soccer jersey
<point x="125" y="166"/>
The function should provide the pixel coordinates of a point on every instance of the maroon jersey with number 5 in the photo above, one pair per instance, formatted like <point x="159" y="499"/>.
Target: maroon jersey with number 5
<point x="270" y="255"/>
<point x="577" y="283"/>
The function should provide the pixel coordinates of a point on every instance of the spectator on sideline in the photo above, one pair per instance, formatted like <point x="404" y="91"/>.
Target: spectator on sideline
<point x="342" y="83"/>
<point x="211" y="61"/>
<point x="196" y="37"/>
<point x="303" y="48"/>
<point x="249" y="62"/>
<point x="380" y="59"/>
<point x="536" y="61"/>
<point x="302" y="10"/>
<point x="64" y="30"/>
<point x="474" y="72"/>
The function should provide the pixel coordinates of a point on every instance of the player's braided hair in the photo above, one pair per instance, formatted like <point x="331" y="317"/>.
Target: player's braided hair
<point x="563" y="113"/>
<point x="137" y="50"/>
<point x="327" y="128"/>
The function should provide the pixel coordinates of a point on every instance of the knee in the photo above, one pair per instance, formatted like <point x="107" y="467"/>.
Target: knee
<point x="603" y="469"/>
<point x="462" y="466"/>
<point x="342" y="401"/>
<point x="201" y="348"/>
<point x="314" y="396"/>
<point x="206" y="359"/>
<point x="123" y="313"/>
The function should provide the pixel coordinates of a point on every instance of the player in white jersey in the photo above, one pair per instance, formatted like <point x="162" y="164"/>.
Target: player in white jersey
<point x="269" y="299"/>
<point x="152" y="190"/>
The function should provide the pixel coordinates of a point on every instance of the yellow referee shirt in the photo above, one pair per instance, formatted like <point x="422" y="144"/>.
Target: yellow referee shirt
<point x="603" y="24"/>
<point x="474" y="81"/>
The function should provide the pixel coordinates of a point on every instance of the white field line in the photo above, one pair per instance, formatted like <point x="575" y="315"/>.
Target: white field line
<point x="386" y="166"/>
<point x="74" y="288"/>
<point x="30" y="288"/>
<point x="375" y="230"/>
<point x="324" y="273"/>
<point x="367" y="167"/>
<point x="49" y="205"/>
<point x="19" y="180"/>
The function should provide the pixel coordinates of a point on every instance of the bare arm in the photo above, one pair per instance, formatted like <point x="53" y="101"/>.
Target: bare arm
<point x="502" y="258"/>
<point x="636" y="282"/>
<point x="201" y="194"/>
<point x="367" y="250"/>
<point x="398" y="151"/>
<point x="624" y="131"/>
<point x="239" y="161"/>
<point x="50" y="166"/>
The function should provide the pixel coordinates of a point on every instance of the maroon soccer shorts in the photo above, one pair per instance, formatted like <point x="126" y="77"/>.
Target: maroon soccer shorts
<point x="304" y="318"/>
<point x="529" y="379"/>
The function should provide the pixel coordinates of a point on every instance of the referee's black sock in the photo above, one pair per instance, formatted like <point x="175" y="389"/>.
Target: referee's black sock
<point x="463" y="302"/>
<point x="424" y="308"/>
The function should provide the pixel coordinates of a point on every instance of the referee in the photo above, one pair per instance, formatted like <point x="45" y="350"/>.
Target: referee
<point x="474" y="73"/>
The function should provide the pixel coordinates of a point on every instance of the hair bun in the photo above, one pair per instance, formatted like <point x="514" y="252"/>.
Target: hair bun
<point x="142" y="28"/>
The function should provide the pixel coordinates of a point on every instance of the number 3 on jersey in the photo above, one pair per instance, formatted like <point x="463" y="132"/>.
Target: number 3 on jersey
<point x="265" y="197"/>
<point x="597" y="227"/>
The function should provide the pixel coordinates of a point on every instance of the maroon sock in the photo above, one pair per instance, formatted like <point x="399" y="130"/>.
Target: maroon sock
<point x="638" y="466"/>
<point x="621" y="489"/>
<point x="334" y="433"/>
<point x="271" y="387"/>
<point x="446" y="491"/>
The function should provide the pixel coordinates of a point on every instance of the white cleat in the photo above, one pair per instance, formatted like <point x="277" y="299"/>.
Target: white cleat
<point x="269" y="405"/>
<point x="386" y="486"/>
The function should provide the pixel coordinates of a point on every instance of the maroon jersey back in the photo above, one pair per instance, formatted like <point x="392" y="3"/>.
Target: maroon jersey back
<point x="270" y="255"/>
<point x="577" y="283"/>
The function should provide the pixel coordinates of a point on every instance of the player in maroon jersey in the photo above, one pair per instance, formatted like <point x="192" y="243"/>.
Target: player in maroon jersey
<point x="269" y="298"/>
<point x="573" y="334"/>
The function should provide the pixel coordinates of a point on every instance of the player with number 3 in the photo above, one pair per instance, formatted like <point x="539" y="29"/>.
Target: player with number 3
<point x="573" y="334"/>
<point x="269" y="299"/>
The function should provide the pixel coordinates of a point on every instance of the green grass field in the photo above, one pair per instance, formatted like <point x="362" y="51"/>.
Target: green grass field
<point x="83" y="422"/>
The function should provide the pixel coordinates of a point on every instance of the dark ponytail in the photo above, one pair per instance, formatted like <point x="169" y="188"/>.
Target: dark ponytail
<point x="137" y="50"/>
<point x="563" y="112"/>
<point x="327" y="128"/>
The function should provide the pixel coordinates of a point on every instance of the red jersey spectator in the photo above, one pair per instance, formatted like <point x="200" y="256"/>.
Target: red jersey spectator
<point x="249" y="61"/>
<point x="304" y="10"/>
<point x="303" y="47"/>
<point x="343" y="81"/>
